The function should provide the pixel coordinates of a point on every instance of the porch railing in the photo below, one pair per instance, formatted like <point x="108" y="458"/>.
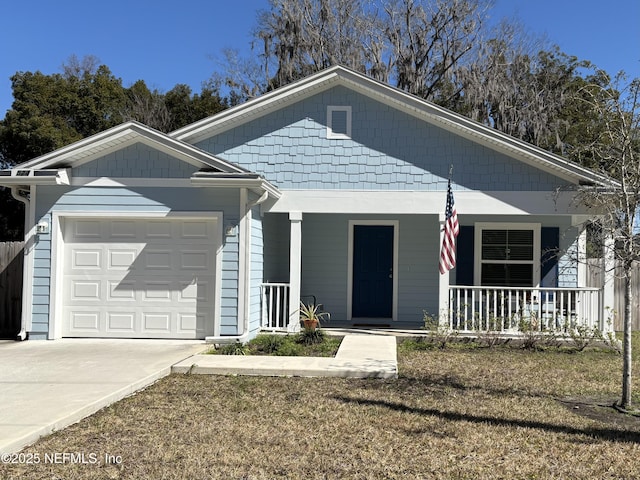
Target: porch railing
<point x="275" y="306"/>
<point x="508" y="309"/>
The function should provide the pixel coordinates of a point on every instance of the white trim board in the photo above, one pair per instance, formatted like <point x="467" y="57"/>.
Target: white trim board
<point x="396" y="228"/>
<point x="57" y="255"/>
<point x="129" y="182"/>
<point x="388" y="202"/>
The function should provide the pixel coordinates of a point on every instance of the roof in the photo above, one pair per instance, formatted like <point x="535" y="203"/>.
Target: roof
<point x="119" y="137"/>
<point x="401" y="100"/>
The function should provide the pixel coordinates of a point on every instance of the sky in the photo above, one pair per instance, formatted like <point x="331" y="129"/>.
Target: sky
<point x="165" y="43"/>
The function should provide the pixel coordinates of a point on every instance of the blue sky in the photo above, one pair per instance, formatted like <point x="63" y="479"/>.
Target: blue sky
<point x="165" y="43"/>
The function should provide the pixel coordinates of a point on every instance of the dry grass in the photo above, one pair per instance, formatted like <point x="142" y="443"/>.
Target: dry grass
<point x="454" y="413"/>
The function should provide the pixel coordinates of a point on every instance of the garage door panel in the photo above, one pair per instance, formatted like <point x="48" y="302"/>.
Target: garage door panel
<point x="122" y="258"/>
<point x="86" y="290"/>
<point x="157" y="291"/>
<point x="121" y="322"/>
<point x="85" y="322"/>
<point x="156" y="322"/>
<point x="86" y="258"/>
<point x="135" y="278"/>
<point x="201" y="290"/>
<point x="86" y="229"/>
<point x="121" y="290"/>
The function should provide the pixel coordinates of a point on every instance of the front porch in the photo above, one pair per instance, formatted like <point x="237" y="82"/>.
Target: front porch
<point x="477" y="309"/>
<point x="511" y="276"/>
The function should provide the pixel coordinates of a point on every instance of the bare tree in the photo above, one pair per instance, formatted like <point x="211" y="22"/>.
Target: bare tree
<point x="618" y="150"/>
<point x="147" y="107"/>
<point x="79" y="68"/>
<point x="429" y="40"/>
<point x="303" y="36"/>
<point x="416" y="44"/>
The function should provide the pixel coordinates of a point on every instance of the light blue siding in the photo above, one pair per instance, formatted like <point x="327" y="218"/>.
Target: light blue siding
<point x="325" y="247"/>
<point x="277" y="232"/>
<point x="137" y="160"/>
<point x="142" y="200"/>
<point x="388" y="150"/>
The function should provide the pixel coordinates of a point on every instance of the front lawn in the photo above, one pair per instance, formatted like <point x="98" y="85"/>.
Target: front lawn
<point x="453" y="413"/>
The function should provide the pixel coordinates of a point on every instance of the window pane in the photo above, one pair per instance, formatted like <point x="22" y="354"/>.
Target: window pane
<point x="520" y="237"/>
<point x="494" y="237"/>
<point x="511" y="275"/>
<point x="520" y="275"/>
<point x="520" y="252"/>
<point x="494" y="274"/>
<point x="494" y="252"/>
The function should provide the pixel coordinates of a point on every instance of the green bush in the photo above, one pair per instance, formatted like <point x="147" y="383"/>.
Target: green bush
<point x="309" y="336"/>
<point x="267" y="344"/>
<point x="233" y="349"/>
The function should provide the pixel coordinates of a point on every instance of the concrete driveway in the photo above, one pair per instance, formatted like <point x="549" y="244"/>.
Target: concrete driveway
<point x="48" y="385"/>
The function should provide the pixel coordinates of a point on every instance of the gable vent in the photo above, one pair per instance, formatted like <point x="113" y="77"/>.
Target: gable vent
<point x="338" y="122"/>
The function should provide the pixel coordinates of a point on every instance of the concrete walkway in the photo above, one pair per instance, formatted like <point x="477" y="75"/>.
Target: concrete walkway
<point x="48" y="385"/>
<point x="359" y="356"/>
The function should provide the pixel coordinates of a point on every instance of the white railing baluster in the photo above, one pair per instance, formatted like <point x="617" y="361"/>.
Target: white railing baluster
<point x="485" y="308"/>
<point x="275" y="306"/>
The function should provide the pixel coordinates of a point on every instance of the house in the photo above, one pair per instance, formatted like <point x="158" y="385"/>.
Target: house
<point x="330" y="190"/>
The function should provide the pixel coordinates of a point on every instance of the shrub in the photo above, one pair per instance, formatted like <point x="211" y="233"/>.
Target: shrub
<point x="267" y="344"/>
<point x="310" y="336"/>
<point x="438" y="334"/>
<point x="236" y="348"/>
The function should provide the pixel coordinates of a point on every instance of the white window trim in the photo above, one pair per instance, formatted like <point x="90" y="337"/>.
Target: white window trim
<point x="396" y="227"/>
<point x="57" y="256"/>
<point x="477" y="254"/>
<point x="335" y="108"/>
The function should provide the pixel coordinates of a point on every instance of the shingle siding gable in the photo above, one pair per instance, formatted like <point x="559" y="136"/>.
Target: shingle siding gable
<point x="388" y="150"/>
<point x="136" y="161"/>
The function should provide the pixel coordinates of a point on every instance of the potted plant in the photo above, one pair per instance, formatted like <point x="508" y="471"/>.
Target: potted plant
<point x="310" y="315"/>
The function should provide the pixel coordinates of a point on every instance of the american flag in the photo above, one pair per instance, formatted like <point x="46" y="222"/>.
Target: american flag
<point x="451" y="230"/>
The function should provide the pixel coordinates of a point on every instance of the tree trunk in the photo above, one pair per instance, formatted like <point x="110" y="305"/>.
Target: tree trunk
<point x="626" y="364"/>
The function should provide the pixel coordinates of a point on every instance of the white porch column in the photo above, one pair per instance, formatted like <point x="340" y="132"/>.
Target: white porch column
<point x="582" y="257"/>
<point x="608" y="296"/>
<point x="443" y="284"/>
<point x="295" y="269"/>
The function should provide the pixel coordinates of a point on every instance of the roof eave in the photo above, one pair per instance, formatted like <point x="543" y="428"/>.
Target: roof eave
<point x="28" y="177"/>
<point x="251" y="181"/>
<point x="123" y="135"/>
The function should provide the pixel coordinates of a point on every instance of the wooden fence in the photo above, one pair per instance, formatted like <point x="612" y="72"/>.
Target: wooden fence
<point x="595" y="279"/>
<point x="11" y="260"/>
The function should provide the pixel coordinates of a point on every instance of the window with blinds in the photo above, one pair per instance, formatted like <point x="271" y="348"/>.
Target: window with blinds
<point x="507" y="258"/>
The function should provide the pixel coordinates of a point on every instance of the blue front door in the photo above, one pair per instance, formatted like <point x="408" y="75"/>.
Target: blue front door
<point x="372" y="271"/>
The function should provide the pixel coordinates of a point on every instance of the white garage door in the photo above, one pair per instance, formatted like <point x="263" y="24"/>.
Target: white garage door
<point x="138" y="278"/>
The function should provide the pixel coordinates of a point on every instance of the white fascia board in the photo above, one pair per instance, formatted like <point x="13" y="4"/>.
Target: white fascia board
<point x="123" y="136"/>
<point x="256" y="108"/>
<point x="108" y="138"/>
<point x="60" y="176"/>
<point x="258" y="185"/>
<point x="427" y="203"/>
<point x="129" y="182"/>
<point x="473" y="130"/>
